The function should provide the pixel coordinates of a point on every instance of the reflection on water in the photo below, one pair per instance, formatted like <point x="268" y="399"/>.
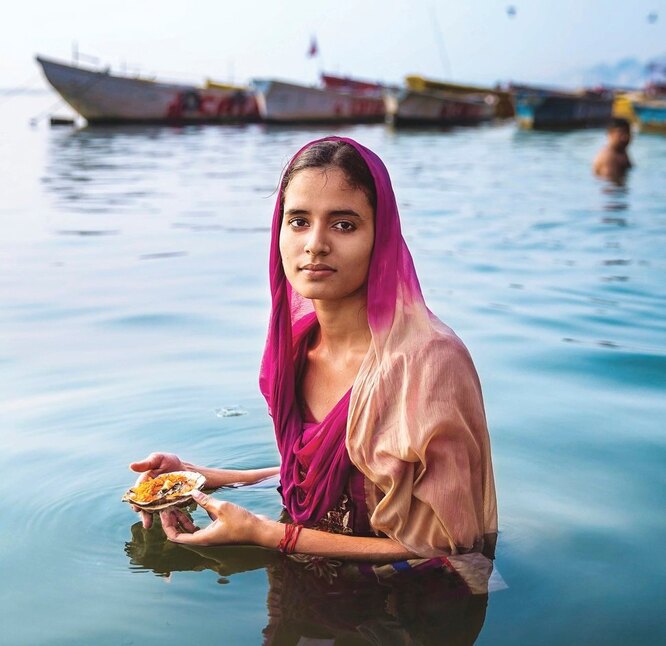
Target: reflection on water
<point x="94" y="170"/>
<point x="616" y="199"/>
<point x="148" y="550"/>
<point x="429" y="609"/>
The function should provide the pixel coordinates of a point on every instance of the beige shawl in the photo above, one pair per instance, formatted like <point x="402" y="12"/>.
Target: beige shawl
<point x="417" y="430"/>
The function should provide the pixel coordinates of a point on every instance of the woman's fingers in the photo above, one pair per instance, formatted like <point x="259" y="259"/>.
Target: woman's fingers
<point x="184" y="520"/>
<point x="146" y="519"/>
<point x="169" y="522"/>
<point x="208" y="503"/>
<point x="174" y="517"/>
<point x="174" y="533"/>
<point x="173" y="523"/>
<point x="148" y="468"/>
<point x="153" y="461"/>
<point x="231" y="524"/>
<point x="154" y="465"/>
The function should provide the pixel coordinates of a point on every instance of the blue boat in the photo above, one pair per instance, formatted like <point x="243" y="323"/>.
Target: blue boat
<point x="651" y="115"/>
<point x="552" y="109"/>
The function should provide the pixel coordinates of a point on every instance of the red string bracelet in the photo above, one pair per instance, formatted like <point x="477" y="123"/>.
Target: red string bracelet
<point x="288" y="543"/>
<point x="282" y="545"/>
<point x="291" y="548"/>
<point x="288" y="530"/>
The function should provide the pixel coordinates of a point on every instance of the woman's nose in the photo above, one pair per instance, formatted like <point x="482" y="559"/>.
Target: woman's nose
<point x="317" y="243"/>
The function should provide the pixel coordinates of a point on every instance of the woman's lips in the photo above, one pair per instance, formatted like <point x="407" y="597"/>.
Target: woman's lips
<point x="317" y="271"/>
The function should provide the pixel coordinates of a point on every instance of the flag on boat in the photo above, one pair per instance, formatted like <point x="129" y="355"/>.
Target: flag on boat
<point x="313" y="50"/>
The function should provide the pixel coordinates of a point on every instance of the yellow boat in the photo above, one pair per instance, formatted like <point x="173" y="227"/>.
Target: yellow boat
<point x="623" y="106"/>
<point x="503" y="107"/>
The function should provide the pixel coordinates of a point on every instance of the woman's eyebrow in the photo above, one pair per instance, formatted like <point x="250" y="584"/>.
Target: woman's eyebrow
<point x="338" y="212"/>
<point x="334" y="213"/>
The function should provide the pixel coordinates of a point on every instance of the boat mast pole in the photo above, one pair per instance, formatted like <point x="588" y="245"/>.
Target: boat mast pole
<point x="443" y="56"/>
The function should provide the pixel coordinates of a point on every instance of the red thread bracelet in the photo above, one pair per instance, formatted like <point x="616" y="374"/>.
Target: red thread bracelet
<point x="282" y="545"/>
<point x="288" y="543"/>
<point x="291" y="548"/>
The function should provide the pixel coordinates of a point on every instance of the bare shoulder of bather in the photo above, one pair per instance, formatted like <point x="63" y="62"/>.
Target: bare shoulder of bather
<point x="612" y="161"/>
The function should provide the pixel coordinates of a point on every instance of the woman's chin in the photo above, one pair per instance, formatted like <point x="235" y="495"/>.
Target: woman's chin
<point x="331" y="296"/>
<point x="328" y="290"/>
<point x="315" y="293"/>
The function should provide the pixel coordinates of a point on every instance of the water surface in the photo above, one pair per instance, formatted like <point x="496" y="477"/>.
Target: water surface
<point x="134" y="297"/>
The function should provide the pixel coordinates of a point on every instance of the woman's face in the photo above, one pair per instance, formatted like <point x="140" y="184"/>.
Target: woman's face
<point x="327" y="234"/>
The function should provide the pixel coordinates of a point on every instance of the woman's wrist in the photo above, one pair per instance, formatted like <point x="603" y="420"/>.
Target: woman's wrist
<point x="268" y="533"/>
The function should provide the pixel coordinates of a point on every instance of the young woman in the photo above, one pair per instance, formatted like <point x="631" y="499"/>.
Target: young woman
<point x="377" y="407"/>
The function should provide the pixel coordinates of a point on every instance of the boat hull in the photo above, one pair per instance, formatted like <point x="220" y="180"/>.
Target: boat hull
<point x="535" y="110"/>
<point x="101" y="97"/>
<point x="282" y="102"/>
<point x="503" y="106"/>
<point x="411" y="108"/>
<point x="651" y="116"/>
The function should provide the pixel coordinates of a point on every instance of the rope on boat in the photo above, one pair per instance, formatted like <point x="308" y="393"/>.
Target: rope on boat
<point x="45" y="113"/>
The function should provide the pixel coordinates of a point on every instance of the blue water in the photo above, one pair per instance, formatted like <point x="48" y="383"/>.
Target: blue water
<point x="134" y="301"/>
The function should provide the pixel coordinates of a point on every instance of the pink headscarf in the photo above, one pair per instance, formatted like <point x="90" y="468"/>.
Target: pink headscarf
<point x="415" y="425"/>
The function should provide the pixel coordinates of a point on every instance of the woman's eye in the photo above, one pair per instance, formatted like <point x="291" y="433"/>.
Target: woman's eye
<point x="344" y="226"/>
<point x="297" y="223"/>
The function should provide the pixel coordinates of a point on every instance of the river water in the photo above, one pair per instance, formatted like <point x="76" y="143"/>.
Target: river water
<point x="133" y="309"/>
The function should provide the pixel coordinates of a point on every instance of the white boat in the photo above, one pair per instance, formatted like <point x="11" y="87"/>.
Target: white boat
<point x="284" y="102"/>
<point x="101" y="97"/>
<point x="408" y="107"/>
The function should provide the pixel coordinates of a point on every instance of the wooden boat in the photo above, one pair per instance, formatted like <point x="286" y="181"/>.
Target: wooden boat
<point x="339" y="100"/>
<point x="503" y="104"/>
<point x="545" y="108"/>
<point x="650" y="114"/>
<point x="406" y="107"/>
<point x="101" y="97"/>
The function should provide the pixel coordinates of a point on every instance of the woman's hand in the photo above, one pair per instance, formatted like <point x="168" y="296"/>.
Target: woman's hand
<point x="150" y="467"/>
<point x="231" y="524"/>
<point x="157" y="463"/>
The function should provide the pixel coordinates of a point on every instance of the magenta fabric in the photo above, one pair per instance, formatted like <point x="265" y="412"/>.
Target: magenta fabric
<point x="292" y="319"/>
<point x="355" y="485"/>
<point x="315" y="464"/>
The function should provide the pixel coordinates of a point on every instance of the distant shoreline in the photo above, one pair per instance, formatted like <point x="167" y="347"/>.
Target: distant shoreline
<point x="19" y="90"/>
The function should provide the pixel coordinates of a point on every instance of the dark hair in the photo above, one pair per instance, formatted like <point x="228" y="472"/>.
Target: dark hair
<point x="619" y="122"/>
<point x="335" y="154"/>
